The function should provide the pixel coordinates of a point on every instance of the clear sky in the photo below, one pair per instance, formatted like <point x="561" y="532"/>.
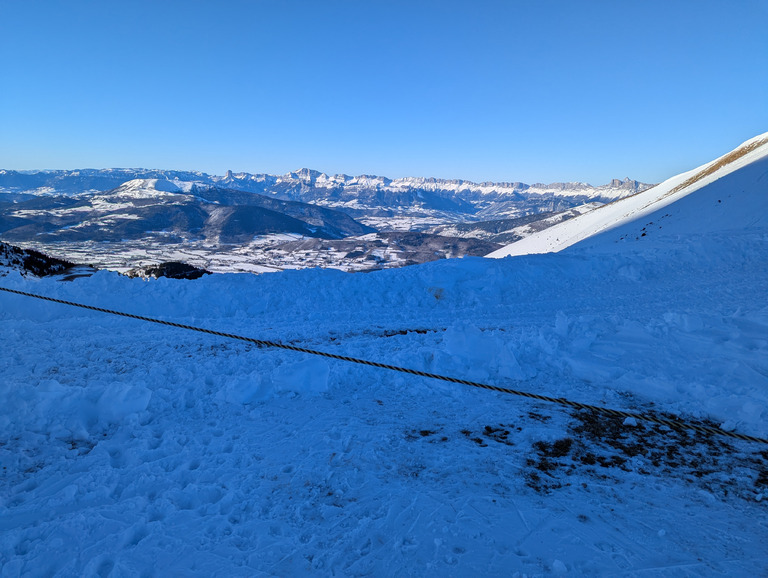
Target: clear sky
<point x="533" y="91"/>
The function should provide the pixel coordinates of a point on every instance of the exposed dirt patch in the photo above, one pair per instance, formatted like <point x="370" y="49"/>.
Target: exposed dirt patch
<point x="539" y="417"/>
<point x="498" y="434"/>
<point x="432" y="436"/>
<point x="602" y="447"/>
<point x="386" y="333"/>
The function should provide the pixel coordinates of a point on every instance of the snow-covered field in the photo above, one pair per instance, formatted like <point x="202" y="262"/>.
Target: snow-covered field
<point x="132" y="449"/>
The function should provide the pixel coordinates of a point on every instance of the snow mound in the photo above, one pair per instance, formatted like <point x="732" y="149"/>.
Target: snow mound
<point x="145" y="186"/>
<point x="730" y="192"/>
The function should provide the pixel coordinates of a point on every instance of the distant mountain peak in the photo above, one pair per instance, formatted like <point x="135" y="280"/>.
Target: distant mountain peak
<point x="623" y="183"/>
<point x="163" y="185"/>
<point x="306" y="174"/>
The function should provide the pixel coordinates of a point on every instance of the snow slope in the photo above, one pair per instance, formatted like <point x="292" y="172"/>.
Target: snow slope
<point x="132" y="449"/>
<point x="736" y="182"/>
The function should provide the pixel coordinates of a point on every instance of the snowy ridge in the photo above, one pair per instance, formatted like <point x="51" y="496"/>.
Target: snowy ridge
<point x="462" y="188"/>
<point x="143" y="210"/>
<point x="161" y="190"/>
<point x="14" y="259"/>
<point x="90" y="180"/>
<point x="153" y="186"/>
<point x="409" y="204"/>
<point x="742" y="195"/>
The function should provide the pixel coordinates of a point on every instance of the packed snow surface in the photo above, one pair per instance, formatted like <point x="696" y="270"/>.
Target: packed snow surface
<point x="132" y="449"/>
<point x="129" y="448"/>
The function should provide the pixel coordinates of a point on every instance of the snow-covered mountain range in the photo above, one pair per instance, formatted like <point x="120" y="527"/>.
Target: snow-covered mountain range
<point x="363" y="196"/>
<point x="395" y="196"/>
<point x="304" y="184"/>
<point x="127" y="218"/>
<point x="149" y="208"/>
<point x="144" y="222"/>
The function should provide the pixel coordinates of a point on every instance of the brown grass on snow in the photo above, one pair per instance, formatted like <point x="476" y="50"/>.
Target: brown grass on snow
<point x="726" y="160"/>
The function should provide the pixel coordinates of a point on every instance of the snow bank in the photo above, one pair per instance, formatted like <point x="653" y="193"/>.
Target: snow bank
<point x="131" y="448"/>
<point x="676" y="325"/>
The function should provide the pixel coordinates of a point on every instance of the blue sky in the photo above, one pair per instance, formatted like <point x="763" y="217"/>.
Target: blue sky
<point x="484" y="90"/>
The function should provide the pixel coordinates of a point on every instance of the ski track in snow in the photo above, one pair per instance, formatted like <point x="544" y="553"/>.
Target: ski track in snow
<point x="132" y="449"/>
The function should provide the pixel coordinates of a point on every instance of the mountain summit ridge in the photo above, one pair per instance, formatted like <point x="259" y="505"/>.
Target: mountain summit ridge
<point x="82" y="180"/>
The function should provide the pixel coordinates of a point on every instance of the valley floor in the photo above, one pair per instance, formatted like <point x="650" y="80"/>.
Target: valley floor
<point x="134" y="449"/>
<point x="269" y="253"/>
